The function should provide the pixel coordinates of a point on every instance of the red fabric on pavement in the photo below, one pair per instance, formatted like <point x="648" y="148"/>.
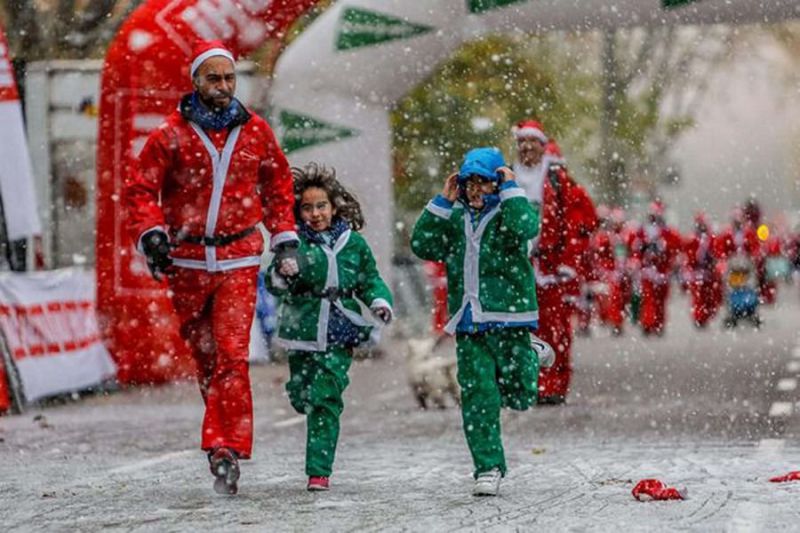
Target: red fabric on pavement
<point x="791" y="476"/>
<point x="655" y="489"/>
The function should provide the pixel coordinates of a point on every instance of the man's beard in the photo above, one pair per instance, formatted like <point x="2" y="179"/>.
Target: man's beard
<point x="529" y="159"/>
<point x="213" y="94"/>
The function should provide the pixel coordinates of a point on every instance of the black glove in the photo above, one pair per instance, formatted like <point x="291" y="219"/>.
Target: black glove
<point x="286" y="259"/>
<point x="156" y="247"/>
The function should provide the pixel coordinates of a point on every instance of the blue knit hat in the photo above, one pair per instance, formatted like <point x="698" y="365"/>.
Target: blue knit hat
<point x="481" y="161"/>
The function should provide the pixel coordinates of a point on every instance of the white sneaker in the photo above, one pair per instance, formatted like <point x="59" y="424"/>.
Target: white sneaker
<point x="545" y="352"/>
<point x="487" y="483"/>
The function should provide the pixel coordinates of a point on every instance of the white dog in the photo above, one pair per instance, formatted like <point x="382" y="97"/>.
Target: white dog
<point x="432" y="368"/>
<point x="431" y="365"/>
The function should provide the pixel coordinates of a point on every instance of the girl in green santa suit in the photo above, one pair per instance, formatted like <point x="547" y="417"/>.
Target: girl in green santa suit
<point x="480" y="227"/>
<point x="320" y="319"/>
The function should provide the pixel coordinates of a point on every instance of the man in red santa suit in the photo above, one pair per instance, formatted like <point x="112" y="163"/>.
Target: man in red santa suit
<point x="567" y="221"/>
<point x="590" y="275"/>
<point x="705" y="280"/>
<point x="655" y="248"/>
<point x="611" y="248"/>
<point x="206" y="178"/>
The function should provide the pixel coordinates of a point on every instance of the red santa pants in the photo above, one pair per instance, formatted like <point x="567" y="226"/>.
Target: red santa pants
<point x="706" y="298"/>
<point x="653" y="316"/>
<point x="216" y="312"/>
<point x="611" y="305"/>
<point x="555" y="328"/>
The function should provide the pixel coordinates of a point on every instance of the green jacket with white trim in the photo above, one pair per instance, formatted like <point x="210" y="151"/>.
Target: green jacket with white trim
<point x="340" y="275"/>
<point x="487" y="265"/>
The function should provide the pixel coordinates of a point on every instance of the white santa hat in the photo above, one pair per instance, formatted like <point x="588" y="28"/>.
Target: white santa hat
<point x="529" y="128"/>
<point x="207" y="49"/>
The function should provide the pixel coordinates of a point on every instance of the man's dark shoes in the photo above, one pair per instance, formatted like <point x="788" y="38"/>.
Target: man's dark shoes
<point x="224" y="464"/>
<point x="552" y="399"/>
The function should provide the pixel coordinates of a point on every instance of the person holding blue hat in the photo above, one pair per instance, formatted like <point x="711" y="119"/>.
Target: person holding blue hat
<point x="479" y="227"/>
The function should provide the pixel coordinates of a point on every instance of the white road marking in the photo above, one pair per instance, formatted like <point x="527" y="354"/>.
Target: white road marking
<point x="770" y="446"/>
<point x="787" y="384"/>
<point x="140" y="465"/>
<point x="781" y="409"/>
<point x="290" y="422"/>
<point x="793" y="366"/>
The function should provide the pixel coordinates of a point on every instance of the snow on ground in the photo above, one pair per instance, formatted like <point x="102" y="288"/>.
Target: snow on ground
<point x="691" y="409"/>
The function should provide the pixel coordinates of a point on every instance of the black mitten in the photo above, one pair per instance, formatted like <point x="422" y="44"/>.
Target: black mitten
<point x="155" y="245"/>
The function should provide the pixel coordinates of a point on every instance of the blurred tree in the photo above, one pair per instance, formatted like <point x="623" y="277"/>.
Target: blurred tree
<point x="653" y="81"/>
<point x="617" y="101"/>
<point x="476" y="96"/>
<point x="50" y="29"/>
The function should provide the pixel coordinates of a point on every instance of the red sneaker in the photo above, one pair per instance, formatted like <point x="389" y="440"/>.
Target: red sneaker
<point x="654" y="489"/>
<point x="318" y="483"/>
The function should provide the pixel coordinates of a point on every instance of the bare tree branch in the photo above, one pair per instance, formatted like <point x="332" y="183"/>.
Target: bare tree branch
<point x="23" y="24"/>
<point x="642" y="57"/>
<point x="37" y="30"/>
<point x="94" y="15"/>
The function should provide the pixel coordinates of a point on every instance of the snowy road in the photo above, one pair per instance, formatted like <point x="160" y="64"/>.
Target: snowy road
<point x="692" y="409"/>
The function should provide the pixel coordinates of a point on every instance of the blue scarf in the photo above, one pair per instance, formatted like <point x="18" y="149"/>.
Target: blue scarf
<point x="194" y="110"/>
<point x="338" y="227"/>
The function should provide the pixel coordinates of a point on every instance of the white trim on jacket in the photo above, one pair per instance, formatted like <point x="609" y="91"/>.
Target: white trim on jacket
<point x="472" y="280"/>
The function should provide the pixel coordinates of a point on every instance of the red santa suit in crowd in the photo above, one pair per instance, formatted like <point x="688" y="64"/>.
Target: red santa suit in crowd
<point x="655" y="248"/>
<point x="752" y="218"/>
<point x="567" y="221"/>
<point x="704" y="278"/>
<point x="591" y="278"/>
<point x="207" y="190"/>
<point x="436" y="273"/>
<point x="611" y="250"/>
<point x="738" y="239"/>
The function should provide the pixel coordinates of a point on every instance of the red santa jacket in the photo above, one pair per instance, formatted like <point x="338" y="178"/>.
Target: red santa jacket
<point x="699" y="251"/>
<point x="655" y="248"/>
<point x="568" y="220"/>
<point x="212" y="183"/>
<point x="732" y="242"/>
<point x="602" y="247"/>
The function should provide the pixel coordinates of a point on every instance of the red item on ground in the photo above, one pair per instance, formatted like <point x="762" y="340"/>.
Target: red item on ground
<point x="791" y="476"/>
<point x="654" y="489"/>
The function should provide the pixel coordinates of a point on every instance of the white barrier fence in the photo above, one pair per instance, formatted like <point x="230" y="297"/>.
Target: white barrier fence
<point x="49" y="326"/>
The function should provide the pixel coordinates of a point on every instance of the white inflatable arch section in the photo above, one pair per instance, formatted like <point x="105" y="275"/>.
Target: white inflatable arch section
<point x="335" y="85"/>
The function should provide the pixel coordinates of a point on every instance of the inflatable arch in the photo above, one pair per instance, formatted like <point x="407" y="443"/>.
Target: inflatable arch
<point x="336" y="83"/>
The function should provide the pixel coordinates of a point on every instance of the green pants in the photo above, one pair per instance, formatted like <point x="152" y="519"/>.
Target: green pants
<point x="495" y="369"/>
<point x="316" y="383"/>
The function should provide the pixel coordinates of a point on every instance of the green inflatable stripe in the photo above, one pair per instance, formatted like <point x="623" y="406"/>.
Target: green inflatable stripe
<point x="359" y="27"/>
<point x="302" y="131"/>
<point x="481" y="6"/>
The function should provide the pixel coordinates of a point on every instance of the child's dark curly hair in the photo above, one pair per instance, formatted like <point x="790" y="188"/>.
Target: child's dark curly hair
<point x="315" y="175"/>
